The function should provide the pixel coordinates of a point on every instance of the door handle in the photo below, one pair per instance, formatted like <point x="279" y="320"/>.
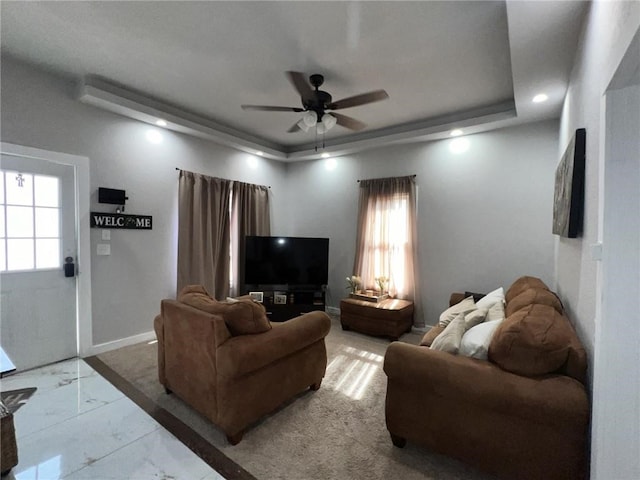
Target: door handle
<point x="69" y="267"/>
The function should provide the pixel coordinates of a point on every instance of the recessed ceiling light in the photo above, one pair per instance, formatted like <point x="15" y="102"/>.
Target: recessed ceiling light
<point x="541" y="97"/>
<point x="325" y="155"/>
<point x="330" y="164"/>
<point x="161" y="123"/>
<point x="456" y="133"/>
<point x="459" y="145"/>
<point x="154" y="136"/>
<point x="260" y="152"/>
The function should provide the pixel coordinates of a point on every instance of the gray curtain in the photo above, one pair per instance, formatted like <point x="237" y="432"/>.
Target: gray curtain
<point x="387" y="238"/>
<point x="204" y="232"/>
<point x="251" y="216"/>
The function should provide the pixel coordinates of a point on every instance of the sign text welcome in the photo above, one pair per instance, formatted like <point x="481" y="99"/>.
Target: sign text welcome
<point x="120" y="220"/>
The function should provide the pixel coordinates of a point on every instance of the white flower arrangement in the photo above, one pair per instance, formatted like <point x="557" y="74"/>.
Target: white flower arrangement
<point x="382" y="283"/>
<point x="352" y="283"/>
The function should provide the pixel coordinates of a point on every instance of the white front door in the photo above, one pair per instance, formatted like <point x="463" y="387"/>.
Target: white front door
<point x="38" y="321"/>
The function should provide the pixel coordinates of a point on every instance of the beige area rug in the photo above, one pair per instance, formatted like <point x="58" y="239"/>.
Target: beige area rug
<point x="337" y="432"/>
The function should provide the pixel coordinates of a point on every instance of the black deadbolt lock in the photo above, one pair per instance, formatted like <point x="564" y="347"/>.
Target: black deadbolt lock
<point x="69" y="267"/>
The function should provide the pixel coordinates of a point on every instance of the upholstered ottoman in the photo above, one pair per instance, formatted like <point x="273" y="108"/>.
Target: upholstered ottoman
<point x="388" y="318"/>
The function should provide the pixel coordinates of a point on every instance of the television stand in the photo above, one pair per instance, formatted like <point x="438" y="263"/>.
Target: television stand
<point x="282" y="305"/>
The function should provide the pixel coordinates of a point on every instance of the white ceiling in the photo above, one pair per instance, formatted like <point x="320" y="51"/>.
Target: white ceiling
<point x="472" y="64"/>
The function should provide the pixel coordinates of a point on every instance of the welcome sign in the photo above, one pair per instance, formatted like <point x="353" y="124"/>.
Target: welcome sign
<point x="120" y="220"/>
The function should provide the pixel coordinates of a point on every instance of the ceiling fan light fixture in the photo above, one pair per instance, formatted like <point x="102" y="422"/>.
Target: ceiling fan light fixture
<point x="329" y="121"/>
<point x="310" y="119"/>
<point x="303" y="126"/>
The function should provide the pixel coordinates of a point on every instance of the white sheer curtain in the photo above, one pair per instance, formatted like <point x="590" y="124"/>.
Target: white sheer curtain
<point x="386" y="243"/>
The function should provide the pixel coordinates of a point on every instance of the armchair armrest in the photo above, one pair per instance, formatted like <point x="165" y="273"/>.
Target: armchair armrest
<point x="246" y="353"/>
<point x="548" y="399"/>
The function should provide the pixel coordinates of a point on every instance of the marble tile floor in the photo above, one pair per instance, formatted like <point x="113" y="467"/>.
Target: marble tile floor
<point x="79" y="426"/>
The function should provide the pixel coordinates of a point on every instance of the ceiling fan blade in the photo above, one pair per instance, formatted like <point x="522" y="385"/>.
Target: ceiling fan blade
<point x="294" y="128"/>
<point x="268" y="108"/>
<point x="348" y="122"/>
<point x="361" y="99"/>
<point x="299" y="81"/>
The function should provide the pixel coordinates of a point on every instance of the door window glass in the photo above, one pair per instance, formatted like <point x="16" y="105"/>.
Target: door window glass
<point x="30" y="221"/>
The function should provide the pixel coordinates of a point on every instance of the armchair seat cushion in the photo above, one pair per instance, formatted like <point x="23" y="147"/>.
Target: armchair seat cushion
<point x="242" y="355"/>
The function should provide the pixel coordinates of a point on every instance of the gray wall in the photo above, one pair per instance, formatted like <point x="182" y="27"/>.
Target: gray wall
<point x="608" y="29"/>
<point x="484" y="215"/>
<point x="610" y="334"/>
<point x="39" y="110"/>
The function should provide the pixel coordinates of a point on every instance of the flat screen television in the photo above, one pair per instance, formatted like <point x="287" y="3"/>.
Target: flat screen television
<point x="292" y="261"/>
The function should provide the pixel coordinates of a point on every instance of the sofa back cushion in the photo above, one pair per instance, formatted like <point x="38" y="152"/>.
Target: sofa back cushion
<point x="535" y="340"/>
<point x="242" y="317"/>
<point x="521" y="284"/>
<point x="540" y="296"/>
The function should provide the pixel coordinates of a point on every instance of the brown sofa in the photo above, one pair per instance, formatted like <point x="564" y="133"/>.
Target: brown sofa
<point x="233" y="380"/>
<point x="523" y="414"/>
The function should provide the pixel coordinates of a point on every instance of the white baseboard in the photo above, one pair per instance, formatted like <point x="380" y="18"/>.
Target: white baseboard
<point x="333" y="310"/>
<point x="123" y="342"/>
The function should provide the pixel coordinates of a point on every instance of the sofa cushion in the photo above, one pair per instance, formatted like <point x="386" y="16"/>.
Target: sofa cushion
<point x="533" y="341"/>
<point x="474" y="317"/>
<point x="475" y="342"/>
<point x="242" y="317"/>
<point x="496" y="312"/>
<point x="449" y="339"/>
<point x="491" y="298"/>
<point x="450" y="313"/>
<point x="431" y="335"/>
<point x="521" y="284"/>
<point x="533" y="295"/>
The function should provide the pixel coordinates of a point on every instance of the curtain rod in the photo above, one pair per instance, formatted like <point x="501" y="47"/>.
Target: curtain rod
<point x="363" y="179"/>
<point x="177" y="168"/>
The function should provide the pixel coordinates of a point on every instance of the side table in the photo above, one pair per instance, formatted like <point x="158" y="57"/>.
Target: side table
<point x="387" y="318"/>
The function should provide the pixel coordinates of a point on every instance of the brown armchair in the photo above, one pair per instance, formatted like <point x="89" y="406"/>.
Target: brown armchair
<point x="235" y="380"/>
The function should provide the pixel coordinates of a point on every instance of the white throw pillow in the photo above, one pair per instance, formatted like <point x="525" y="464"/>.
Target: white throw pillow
<point x="450" y="338"/>
<point x="491" y="298"/>
<point x="475" y="342"/>
<point x="465" y="306"/>
<point x="474" y="317"/>
<point x="496" y="312"/>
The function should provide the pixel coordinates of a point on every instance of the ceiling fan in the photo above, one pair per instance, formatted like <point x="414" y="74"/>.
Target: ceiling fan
<point x="317" y="103"/>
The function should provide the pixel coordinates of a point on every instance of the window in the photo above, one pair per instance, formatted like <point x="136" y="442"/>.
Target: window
<point x="386" y="240"/>
<point x="29" y="222"/>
